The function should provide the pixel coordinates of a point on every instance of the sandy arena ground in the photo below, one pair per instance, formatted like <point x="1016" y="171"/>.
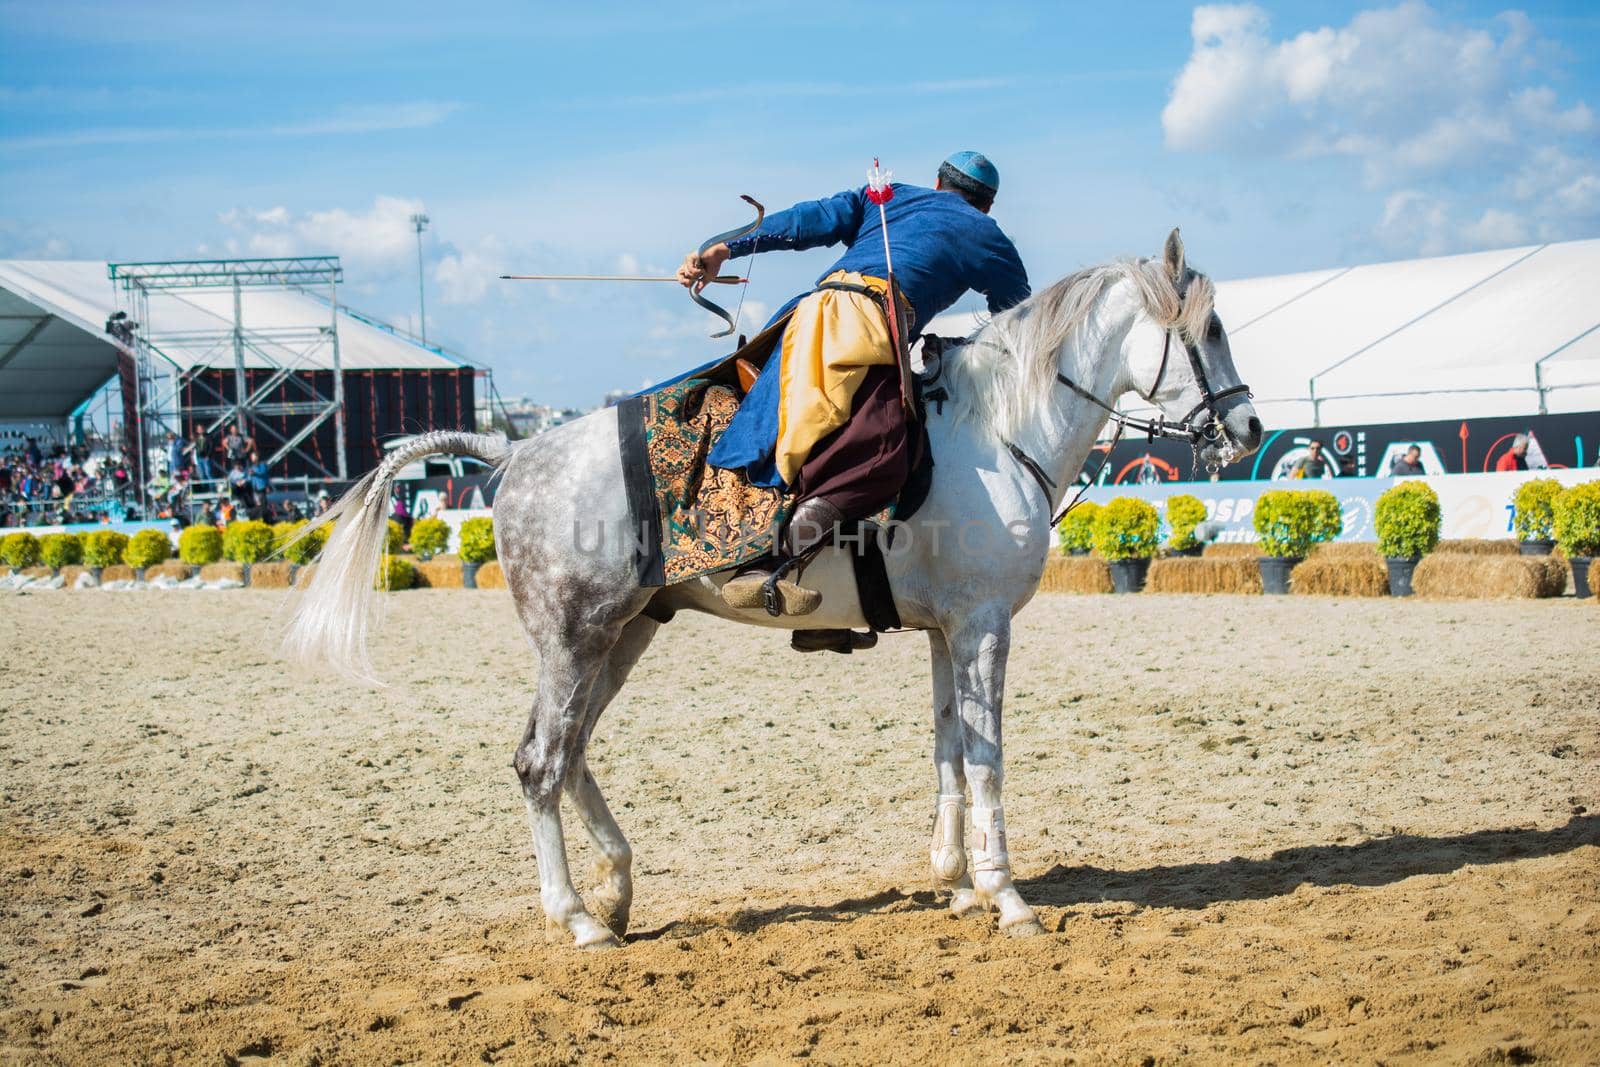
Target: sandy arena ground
<point x="1257" y="830"/>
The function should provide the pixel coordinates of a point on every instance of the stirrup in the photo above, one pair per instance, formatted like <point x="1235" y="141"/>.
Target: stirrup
<point x="771" y="598"/>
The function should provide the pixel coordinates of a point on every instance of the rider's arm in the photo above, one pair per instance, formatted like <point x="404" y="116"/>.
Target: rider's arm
<point x="1006" y="280"/>
<point x="811" y="224"/>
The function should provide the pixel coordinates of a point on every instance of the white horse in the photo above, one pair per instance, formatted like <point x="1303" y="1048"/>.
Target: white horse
<point x="1028" y="396"/>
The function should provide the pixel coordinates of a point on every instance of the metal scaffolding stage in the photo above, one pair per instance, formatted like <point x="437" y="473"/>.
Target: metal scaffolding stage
<point x="275" y="391"/>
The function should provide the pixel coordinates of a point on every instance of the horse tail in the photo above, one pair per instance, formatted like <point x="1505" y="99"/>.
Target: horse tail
<point x="329" y="624"/>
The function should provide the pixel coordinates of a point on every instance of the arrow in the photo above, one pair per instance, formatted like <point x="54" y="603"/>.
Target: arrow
<point x="720" y="280"/>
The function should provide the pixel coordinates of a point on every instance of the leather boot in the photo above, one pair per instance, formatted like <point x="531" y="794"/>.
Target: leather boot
<point x="811" y="524"/>
<point x="845" y="641"/>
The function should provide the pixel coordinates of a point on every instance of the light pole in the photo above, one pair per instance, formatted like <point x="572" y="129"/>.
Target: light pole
<point x="419" y="222"/>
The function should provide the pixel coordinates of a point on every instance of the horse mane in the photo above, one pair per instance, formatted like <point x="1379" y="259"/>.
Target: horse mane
<point x="1001" y="384"/>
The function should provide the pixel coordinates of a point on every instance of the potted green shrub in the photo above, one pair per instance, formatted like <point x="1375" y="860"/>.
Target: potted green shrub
<point x="59" y="550"/>
<point x="476" y="546"/>
<point x="429" y="538"/>
<point x="146" y="549"/>
<point x="300" y="551"/>
<point x="19" y="550"/>
<point x="395" y="573"/>
<point x="102" y="549"/>
<point x="1289" y="522"/>
<point x="248" y="542"/>
<point x="394" y="538"/>
<point x="1184" y="513"/>
<point x="1575" y="515"/>
<point x="1532" y="518"/>
<point x="1407" y="519"/>
<point x="200" y="545"/>
<point x="1077" y="529"/>
<point x="1126" y="533"/>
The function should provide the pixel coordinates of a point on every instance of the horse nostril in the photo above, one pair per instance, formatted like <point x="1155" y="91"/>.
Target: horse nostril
<point x="1253" y="428"/>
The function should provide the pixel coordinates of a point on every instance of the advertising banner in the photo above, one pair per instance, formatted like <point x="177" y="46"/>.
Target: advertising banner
<point x="1472" y="505"/>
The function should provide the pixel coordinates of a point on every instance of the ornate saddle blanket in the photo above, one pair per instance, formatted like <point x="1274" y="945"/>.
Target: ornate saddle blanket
<point x="696" y="519"/>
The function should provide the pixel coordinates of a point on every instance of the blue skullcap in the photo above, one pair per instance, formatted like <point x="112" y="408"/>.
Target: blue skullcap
<point x="976" y="166"/>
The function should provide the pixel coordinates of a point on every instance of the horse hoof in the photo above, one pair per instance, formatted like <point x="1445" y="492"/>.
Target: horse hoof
<point x="964" y="902"/>
<point x="1025" y="928"/>
<point x="611" y="914"/>
<point x="588" y="934"/>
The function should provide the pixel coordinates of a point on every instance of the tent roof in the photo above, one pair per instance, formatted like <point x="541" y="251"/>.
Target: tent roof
<point x="54" y="352"/>
<point x="1449" y="337"/>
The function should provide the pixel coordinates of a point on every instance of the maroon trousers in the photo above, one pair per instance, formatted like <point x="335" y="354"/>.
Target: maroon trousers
<point x="861" y="467"/>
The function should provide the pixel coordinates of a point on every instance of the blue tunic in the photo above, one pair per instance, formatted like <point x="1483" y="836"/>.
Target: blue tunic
<point x="942" y="247"/>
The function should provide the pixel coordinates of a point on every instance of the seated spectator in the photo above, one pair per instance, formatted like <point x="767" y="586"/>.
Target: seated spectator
<point x="1312" y="464"/>
<point x="1517" y="458"/>
<point x="1407" y="464"/>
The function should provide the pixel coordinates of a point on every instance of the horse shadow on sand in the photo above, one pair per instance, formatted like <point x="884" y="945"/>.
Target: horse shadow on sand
<point x="1380" y="861"/>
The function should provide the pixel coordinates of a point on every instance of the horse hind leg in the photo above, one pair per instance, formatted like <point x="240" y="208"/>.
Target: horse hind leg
<point x="551" y="747"/>
<point x="611" y="899"/>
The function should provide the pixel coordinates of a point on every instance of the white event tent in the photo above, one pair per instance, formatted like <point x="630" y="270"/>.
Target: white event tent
<point x="1509" y="332"/>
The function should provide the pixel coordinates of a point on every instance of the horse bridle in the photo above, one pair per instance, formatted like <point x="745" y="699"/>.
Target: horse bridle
<point x="1208" y="430"/>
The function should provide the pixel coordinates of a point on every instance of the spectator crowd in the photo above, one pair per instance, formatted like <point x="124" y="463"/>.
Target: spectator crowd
<point x="48" y="484"/>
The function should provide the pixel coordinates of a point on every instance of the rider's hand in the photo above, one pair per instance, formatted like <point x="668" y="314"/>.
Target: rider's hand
<point x="700" y="267"/>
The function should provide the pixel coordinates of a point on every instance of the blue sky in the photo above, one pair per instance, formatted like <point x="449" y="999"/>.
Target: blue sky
<point x="613" y="137"/>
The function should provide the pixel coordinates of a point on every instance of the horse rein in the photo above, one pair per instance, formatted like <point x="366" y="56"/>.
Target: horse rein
<point x="1209" y="430"/>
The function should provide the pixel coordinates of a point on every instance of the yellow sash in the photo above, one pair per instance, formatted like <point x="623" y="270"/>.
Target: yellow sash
<point x="831" y="340"/>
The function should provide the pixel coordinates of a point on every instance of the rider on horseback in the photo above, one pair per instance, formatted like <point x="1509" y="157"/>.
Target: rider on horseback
<point x="827" y="419"/>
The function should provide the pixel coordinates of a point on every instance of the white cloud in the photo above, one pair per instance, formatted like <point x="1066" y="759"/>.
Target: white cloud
<point x="343" y="121"/>
<point x="376" y="242"/>
<point x="466" y="276"/>
<point x="1411" y="99"/>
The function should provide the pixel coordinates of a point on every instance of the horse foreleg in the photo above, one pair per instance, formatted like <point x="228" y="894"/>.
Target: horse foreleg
<point x="979" y="648"/>
<point x="612" y="896"/>
<point x="947" y="853"/>
<point x="550" y="747"/>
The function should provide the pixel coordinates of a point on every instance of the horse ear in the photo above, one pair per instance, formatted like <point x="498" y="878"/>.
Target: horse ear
<point x="1172" y="257"/>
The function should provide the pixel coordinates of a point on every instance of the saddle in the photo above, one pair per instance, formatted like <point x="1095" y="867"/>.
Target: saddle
<point x="693" y="519"/>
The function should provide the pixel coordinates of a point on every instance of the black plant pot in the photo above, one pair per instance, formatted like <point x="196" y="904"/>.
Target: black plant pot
<point x="1536" y="548"/>
<point x="94" y="572"/>
<point x="1192" y="550"/>
<point x="1400" y="571"/>
<point x="469" y="575"/>
<point x="138" y="574"/>
<point x="1580" y="575"/>
<point x="1127" y="575"/>
<point x="1275" y="572"/>
<point x="1077" y="551"/>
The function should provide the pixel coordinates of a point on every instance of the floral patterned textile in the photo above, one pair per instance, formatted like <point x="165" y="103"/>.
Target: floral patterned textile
<point x="710" y="519"/>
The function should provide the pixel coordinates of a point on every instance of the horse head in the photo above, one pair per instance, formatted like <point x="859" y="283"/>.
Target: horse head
<point x="1177" y="359"/>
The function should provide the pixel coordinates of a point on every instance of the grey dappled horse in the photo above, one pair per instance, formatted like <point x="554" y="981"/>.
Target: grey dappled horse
<point x="1028" y="396"/>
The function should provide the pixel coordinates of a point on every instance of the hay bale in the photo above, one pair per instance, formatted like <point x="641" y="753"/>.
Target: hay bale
<point x="1200" y="575"/>
<point x="1345" y="550"/>
<point x="217" y="572"/>
<point x="119" y="572"/>
<point x="1458" y="574"/>
<point x="1231" y="550"/>
<point x="1341" y="574"/>
<point x="490" y="576"/>
<point x="37" y="572"/>
<point x="71" y="575"/>
<point x="303" y="579"/>
<point x="1479" y="546"/>
<point x="270" y="575"/>
<point x="172" y="568"/>
<point x="441" y="572"/>
<point x="1556" y="573"/>
<point x="1062" y="574"/>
